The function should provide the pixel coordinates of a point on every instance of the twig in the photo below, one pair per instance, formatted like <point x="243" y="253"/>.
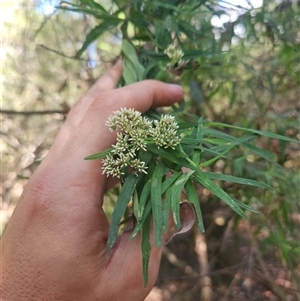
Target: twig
<point x="266" y="275"/>
<point x="205" y="281"/>
<point x="234" y="281"/>
<point x="64" y="55"/>
<point x="178" y="263"/>
<point x="26" y="113"/>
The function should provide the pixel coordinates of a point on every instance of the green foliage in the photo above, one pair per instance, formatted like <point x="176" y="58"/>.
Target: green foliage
<point x="236" y="75"/>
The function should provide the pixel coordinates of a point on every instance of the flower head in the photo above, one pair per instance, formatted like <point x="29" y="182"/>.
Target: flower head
<point x="134" y="131"/>
<point x="174" y="54"/>
<point x="165" y="132"/>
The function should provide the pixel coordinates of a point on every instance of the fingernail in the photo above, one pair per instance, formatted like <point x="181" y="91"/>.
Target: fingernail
<point x="175" y="88"/>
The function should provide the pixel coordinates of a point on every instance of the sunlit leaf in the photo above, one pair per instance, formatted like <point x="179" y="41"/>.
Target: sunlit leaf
<point x="254" y="131"/>
<point x="192" y="196"/>
<point x="176" y="194"/>
<point x="156" y="202"/>
<point x="146" y="248"/>
<point x="120" y="208"/>
<point x="100" y="155"/>
<point x="233" y="179"/>
<point x="208" y="183"/>
<point x="96" y="32"/>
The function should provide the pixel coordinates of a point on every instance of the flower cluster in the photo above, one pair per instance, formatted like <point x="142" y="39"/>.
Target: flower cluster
<point x="134" y="132"/>
<point x="175" y="55"/>
<point x="164" y="132"/>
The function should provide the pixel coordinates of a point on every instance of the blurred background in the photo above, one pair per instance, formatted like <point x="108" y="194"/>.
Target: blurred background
<point x="249" y="75"/>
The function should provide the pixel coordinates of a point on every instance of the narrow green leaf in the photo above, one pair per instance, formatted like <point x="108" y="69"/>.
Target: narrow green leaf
<point x="140" y="223"/>
<point x="208" y="183"/>
<point x="260" y="152"/>
<point x="120" y="208"/>
<point x="100" y="155"/>
<point x="192" y="196"/>
<point x="245" y="206"/>
<point x="129" y="74"/>
<point x="261" y="133"/>
<point x="146" y="248"/>
<point x="129" y="53"/>
<point x="136" y="205"/>
<point x="143" y="200"/>
<point x="233" y="179"/>
<point x="199" y="136"/>
<point x="193" y="140"/>
<point x="229" y="146"/>
<point x="96" y="32"/>
<point x="171" y="156"/>
<point x="175" y="196"/>
<point x="156" y="202"/>
<point x="94" y="5"/>
<point x="170" y="180"/>
<point x="212" y="133"/>
<point x="166" y="208"/>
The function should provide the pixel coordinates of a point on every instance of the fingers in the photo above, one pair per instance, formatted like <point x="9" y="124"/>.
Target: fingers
<point x="126" y="262"/>
<point x="127" y="256"/>
<point x="91" y="135"/>
<point x="108" y="81"/>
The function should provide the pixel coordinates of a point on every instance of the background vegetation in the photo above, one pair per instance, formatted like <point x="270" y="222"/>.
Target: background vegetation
<point x="242" y="69"/>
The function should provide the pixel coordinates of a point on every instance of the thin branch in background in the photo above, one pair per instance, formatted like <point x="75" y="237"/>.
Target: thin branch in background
<point x="71" y="57"/>
<point x="205" y="281"/>
<point x="27" y="113"/>
<point x="62" y="54"/>
<point x="178" y="263"/>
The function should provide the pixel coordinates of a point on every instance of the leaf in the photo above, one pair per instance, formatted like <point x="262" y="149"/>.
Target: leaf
<point x="208" y="183"/>
<point x="261" y="133"/>
<point x="193" y="198"/>
<point x="136" y="205"/>
<point x="199" y="136"/>
<point x="140" y="223"/>
<point x="143" y="199"/>
<point x="156" y="202"/>
<point x="171" y="156"/>
<point x="170" y="180"/>
<point x="94" y="5"/>
<point x="193" y="141"/>
<point x="262" y="153"/>
<point x="233" y="179"/>
<point x="96" y="32"/>
<point x="100" y="155"/>
<point x="120" y="208"/>
<point x="129" y="53"/>
<point x="187" y="218"/>
<point x="146" y="248"/>
<point x="167" y="207"/>
<point x="129" y="74"/>
<point x="227" y="149"/>
<point x="245" y="206"/>
<point x="175" y="196"/>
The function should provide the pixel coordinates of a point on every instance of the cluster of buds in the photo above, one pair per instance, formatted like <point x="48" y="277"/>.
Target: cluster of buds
<point x="175" y="55"/>
<point x="134" y="132"/>
<point x="164" y="132"/>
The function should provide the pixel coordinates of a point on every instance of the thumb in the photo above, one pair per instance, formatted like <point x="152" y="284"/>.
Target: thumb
<point x="125" y="263"/>
<point x="126" y="256"/>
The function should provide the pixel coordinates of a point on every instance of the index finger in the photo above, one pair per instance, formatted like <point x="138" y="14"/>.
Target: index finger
<point x="108" y="81"/>
<point x="93" y="136"/>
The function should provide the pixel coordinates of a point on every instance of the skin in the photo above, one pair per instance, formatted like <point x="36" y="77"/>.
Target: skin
<point x="54" y="247"/>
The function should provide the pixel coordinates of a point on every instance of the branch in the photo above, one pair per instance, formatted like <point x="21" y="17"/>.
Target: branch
<point x="205" y="281"/>
<point x="26" y="113"/>
<point x="62" y="54"/>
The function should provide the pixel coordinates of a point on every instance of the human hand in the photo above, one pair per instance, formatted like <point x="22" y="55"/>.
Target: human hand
<point x="54" y="247"/>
